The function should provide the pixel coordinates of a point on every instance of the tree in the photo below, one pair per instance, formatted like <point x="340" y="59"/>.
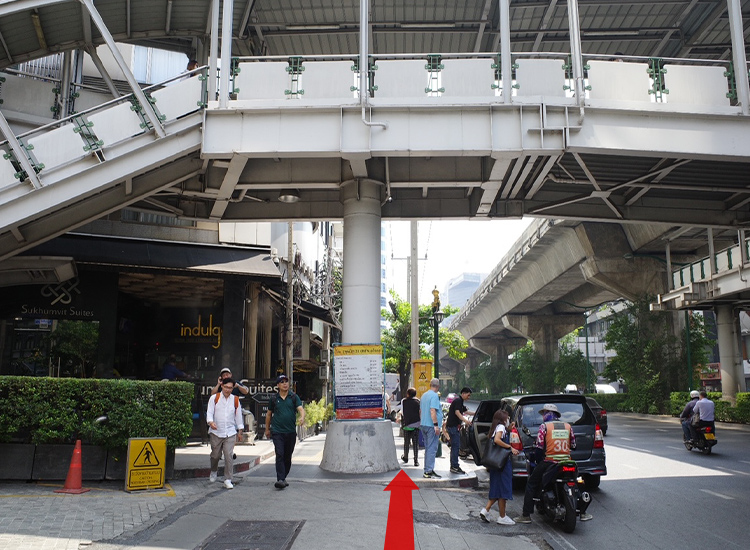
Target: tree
<point x="397" y="337"/>
<point x="650" y="357"/>
<point x="75" y="343"/>
<point x="572" y="368"/>
<point x="492" y="378"/>
<point x="536" y="376"/>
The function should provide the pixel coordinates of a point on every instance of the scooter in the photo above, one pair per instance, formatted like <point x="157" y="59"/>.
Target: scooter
<point x="705" y="441"/>
<point x="563" y="493"/>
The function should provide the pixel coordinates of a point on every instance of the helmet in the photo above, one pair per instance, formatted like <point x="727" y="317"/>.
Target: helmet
<point x="549" y="407"/>
<point x="694" y="394"/>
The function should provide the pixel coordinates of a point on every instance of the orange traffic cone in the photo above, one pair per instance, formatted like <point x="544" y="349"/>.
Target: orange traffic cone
<point x="73" y="481"/>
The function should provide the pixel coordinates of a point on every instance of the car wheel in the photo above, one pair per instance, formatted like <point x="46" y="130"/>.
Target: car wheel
<point x="592" y="482"/>
<point x="475" y="457"/>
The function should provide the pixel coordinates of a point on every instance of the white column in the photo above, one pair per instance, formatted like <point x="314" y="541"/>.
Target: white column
<point x="361" y="293"/>
<point x="738" y="54"/>
<point x="505" y="54"/>
<point x="726" y="322"/>
<point x="226" y="53"/>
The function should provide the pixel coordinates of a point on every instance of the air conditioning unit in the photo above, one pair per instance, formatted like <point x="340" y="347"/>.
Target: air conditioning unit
<point x="323" y="372"/>
<point x="325" y="356"/>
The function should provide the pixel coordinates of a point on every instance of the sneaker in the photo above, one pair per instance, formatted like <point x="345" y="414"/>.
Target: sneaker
<point x="213" y="477"/>
<point x="286" y="483"/>
<point x="280" y="484"/>
<point x="431" y="473"/>
<point x="404" y="459"/>
<point x="457" y="470"/>
<point x="505" y="520"/>
<point x="228" y="484"/>
<point x="483" y="515"/>
<point x="416" y="463"/>
<point x="586" y="517"/>
<point x="522" y="519"/>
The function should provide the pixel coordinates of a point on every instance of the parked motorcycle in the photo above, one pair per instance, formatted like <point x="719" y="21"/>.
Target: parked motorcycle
<point x="705" y="441"/>
<point x="563" y="493"/>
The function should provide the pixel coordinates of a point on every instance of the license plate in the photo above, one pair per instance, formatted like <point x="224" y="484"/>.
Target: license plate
<point x="710" y="437"/>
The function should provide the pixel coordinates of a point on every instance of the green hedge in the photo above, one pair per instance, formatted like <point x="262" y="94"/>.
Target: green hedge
<point x="724" y="412"/>
<point x="612" y="402"/>
<point x="61" y="410"/>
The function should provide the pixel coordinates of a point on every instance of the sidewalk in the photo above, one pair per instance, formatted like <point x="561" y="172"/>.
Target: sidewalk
<point x="319" y="510"/>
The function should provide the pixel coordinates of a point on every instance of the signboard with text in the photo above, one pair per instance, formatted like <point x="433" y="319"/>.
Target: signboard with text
<point x="358" y="381"/>
<point x="147" y="459"/>
<point x="422" y="375"/>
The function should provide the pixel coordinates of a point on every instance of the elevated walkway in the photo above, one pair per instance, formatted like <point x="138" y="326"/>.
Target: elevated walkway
<point x="446" y="142"/>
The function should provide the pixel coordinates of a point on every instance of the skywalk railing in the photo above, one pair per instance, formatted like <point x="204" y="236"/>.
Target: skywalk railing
<point x="91" y="134"/>
<point x="477" y="77"/>
<point x="725" y="260"/>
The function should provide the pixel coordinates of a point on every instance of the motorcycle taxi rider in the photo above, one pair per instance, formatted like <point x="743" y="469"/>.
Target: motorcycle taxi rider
<point x="553" y="443"/>
<point x="687" y="414"/>
<point x="705" y="407"/>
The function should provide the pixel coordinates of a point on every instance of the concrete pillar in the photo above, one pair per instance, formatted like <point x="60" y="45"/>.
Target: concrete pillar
<point x="251" y="334"/>
<point x="546" y="343"/>
<point x="361" y="447"/>
<point x="232" y="325"/>
<point x="732" y="377"/>
<point x="361" y="292"/>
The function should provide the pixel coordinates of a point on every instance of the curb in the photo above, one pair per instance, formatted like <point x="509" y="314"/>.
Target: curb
<point x="239" y="467"/>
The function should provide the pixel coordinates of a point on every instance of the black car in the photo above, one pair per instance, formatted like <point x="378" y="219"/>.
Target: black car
<point x="524" y="412"/>
<point x="599" y="413"/>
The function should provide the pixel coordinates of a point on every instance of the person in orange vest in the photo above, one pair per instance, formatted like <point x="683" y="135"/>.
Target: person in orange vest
<point x="554" y="441"/>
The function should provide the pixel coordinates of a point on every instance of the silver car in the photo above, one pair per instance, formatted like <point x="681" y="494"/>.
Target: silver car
<point x="524" y="412"/>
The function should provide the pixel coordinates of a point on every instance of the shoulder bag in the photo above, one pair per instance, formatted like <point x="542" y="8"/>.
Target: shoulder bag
<point x="495" y="457"/>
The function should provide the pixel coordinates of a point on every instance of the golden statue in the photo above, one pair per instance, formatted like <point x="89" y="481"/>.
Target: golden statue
<point x="436" y="301"/>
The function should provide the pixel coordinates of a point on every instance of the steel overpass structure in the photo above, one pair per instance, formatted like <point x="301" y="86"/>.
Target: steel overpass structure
<point x="590" y="111"/>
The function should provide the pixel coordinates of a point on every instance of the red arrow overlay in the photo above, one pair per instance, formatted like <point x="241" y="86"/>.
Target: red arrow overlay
<point x="399" y="535"/>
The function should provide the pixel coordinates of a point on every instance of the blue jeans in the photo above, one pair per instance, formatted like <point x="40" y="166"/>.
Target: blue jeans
<point x="430" y="447"/>
<point x="455" y="445"/>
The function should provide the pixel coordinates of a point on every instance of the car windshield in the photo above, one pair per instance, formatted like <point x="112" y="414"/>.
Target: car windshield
<point x="571" y="413"/>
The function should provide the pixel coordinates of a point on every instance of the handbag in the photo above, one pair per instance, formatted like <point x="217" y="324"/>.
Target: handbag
<point x="495" y="457"/>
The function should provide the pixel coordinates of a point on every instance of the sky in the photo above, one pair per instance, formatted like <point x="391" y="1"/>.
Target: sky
<point x="451" y="248"/>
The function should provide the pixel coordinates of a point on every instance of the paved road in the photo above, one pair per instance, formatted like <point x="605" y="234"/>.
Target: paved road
<point x="643" y="503"/>
<point x="654" y="485"/>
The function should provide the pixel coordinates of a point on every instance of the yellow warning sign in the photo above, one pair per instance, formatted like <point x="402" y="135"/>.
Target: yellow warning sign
<point x="422" y="375"/>
<point x="146" y="461"/>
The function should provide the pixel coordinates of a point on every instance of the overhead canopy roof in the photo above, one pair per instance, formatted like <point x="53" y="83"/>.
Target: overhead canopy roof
<point x="675" y="28"/>
<point x="159" y="255"/>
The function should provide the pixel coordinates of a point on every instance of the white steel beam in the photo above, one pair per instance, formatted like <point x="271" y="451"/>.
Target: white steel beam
<point x="148" y="109"/>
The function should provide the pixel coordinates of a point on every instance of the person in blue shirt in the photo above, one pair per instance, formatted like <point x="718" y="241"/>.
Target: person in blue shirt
<point x="169" y="370"/>
<point x="431" y="419"/>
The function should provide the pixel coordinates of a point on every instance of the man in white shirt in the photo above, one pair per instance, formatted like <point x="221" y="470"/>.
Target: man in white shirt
<point x="705" y="408"/>
<point x="224" y="418"/>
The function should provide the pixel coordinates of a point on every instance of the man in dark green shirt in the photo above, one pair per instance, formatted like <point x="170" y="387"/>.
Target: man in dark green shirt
<point x="281" y="427"/>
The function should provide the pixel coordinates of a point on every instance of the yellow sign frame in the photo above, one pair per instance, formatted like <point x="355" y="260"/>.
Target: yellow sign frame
<point x="422" y="375"/>
<point x="146" y="465"/>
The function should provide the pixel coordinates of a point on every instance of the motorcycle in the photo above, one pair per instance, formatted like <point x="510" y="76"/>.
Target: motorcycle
<point x="705" y="441"/>
<point x="563" y="493"/>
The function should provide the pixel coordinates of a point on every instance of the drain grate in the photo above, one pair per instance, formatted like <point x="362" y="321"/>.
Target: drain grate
<point x="254" y="535"/>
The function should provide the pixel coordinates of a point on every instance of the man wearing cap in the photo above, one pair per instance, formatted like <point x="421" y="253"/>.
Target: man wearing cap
<point x="238" y="390"/>
<point x="687" y="414"/>
<point x="554" y="441"/>
<point x="281" y="427"/>
<point x="457" y="416"/>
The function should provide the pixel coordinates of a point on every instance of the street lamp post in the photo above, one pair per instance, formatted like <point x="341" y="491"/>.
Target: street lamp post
<point x="435" y="320"/>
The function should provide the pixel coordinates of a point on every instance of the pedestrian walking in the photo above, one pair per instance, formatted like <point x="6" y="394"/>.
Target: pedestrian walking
<point x="224" y="418"/>
<point x="410" y="420"/>
<point x="501" y="481"/>
<point x="281" y="427"/>
<point x="431" y="418"/>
